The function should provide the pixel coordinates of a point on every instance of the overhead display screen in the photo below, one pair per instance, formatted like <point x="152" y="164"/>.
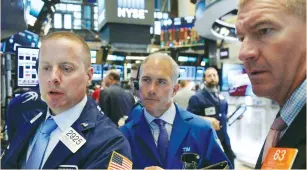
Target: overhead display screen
<point x="26" y="66"/>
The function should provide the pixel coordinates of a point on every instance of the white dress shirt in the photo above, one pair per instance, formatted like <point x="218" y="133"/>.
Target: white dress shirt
<point x="64" y="121"/>
<point x="168" y="117"/>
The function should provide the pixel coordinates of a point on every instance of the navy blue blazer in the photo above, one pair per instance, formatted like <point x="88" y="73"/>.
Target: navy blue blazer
<point x="115" y="102"/>
<point x="190" y="133"/>
<point x="26" y="102"/>
<point x="102" y="138"/>
<point x="204" y="99"/>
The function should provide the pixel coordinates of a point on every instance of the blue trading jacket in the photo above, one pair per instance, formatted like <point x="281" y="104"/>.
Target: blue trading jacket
<point x="102" y="138"/>
<point x="190" y="134"/>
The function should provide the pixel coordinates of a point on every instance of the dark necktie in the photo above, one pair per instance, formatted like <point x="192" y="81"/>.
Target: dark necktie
<point x="39" y="148"/>
<point x="274" y="135"/>
<point x="162" y="140"/>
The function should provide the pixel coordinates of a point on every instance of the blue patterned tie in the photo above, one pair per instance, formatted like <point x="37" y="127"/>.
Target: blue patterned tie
<point x="38" y="151"/>
<point x="162" y="140"/>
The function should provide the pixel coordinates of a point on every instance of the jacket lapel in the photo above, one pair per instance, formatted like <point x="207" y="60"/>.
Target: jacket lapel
<point x="179" y="131"/>
<point x="26" y="132"/>
<point x="143" y="133"/>
<point x="61" y="152"/>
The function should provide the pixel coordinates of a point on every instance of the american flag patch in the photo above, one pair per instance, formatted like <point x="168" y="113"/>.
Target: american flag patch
<point x="119" y="162"/>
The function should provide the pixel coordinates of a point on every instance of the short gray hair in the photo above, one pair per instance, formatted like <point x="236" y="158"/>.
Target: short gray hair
<point x="169" y="59"/>
<point x="297" y="7"/>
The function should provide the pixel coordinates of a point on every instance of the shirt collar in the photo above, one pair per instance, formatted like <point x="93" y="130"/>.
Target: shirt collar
<point x="65" y="119"/>
<point x="168" y="116"/>
<point x="294" y="104"/>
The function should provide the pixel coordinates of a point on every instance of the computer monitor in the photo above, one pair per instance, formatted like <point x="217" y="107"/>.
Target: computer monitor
<point x="26" y="66"/>
<point x="97" y="71"/>
<point x="93" y="56"/>
<point x="187" y="72"/>
<point x="235" y="80"/>
<point x="35" y="9"/>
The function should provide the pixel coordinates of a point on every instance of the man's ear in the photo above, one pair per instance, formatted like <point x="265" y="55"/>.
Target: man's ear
<point x="175" y="89"/>
<point x="90" y="73"/>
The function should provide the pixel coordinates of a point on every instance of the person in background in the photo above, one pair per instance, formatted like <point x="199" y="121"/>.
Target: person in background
<point x="114" y="101"/>
<point x="96" y="93"/>
<point x="164" y="132"/>
<point x="137" y="108"/>
<point x="67" y="132"/>
<point x="212" y="106"/>
<point x="273" y="50"/>
<point x="184" y="94"/>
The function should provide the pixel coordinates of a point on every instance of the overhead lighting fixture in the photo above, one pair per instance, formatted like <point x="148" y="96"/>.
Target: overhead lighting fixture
<point x="135" y="58"/>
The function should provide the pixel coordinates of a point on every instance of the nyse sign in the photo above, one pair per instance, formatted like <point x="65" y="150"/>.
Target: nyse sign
<point x="131" y="13"/>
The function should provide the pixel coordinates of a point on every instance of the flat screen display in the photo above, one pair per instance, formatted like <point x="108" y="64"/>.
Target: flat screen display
<point x="200" y="73"/>
<point x="97" y="71"/>
<point x="187" y="59"/>
<point x="115" y="58"/>
<point x="235" y="80"/>
<point x="120" y="68"/>
<point x="35" y="9"/>
<point x="93" y="56"/>
<point x="26" y="66"/>
<point x="187" y="72"/>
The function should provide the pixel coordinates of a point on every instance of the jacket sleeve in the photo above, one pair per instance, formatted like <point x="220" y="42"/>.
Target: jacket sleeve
<point x="213" y="150"/>
<point x="194" y="105"/>
<point x="101" y="158"/>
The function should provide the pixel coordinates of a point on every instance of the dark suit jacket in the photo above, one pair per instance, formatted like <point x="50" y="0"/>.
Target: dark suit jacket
<point x="190" y="134"/>
<point x="29" y="102"/>
<point x="205" y="99"/>
<point x="116" y="102"/>
<point x="102" y="138"/>
<point x="295" y="137"/>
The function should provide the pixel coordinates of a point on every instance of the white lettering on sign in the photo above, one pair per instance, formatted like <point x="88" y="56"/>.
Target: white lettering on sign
<point x="224" y="53"/>
<point x="131" y="13"/>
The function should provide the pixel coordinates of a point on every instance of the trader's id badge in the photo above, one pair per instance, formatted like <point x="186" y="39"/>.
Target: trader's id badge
<point x="72" y="140"/>
<point x="210" y="111"/>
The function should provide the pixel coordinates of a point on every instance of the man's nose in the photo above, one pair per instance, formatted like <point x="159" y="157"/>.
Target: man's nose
<point x="152" y="89"/>
<point x="55" y="76"/>
<point x="248" y="50"/>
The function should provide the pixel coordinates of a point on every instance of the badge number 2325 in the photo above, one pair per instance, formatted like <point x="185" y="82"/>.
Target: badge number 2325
<point x="74" y="137"/>
<point x="279" y="155"/>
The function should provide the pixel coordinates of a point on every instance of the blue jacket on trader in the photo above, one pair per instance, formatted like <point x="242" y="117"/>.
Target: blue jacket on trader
<point x="190" y="134"/>
<point x="202" y="104"/>
<point x="24" y="103"/>
<point x="102" y="138"/>
<point x="135" y="113"/>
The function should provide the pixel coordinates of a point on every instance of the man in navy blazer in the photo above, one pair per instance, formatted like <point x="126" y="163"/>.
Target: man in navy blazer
<point x="164" y="132"/>
<point x="212" y="106"/>
<point x="82" y="136"/>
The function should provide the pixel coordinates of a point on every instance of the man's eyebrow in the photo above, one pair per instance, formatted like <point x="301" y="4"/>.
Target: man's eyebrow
<point x="257" y="24"/>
